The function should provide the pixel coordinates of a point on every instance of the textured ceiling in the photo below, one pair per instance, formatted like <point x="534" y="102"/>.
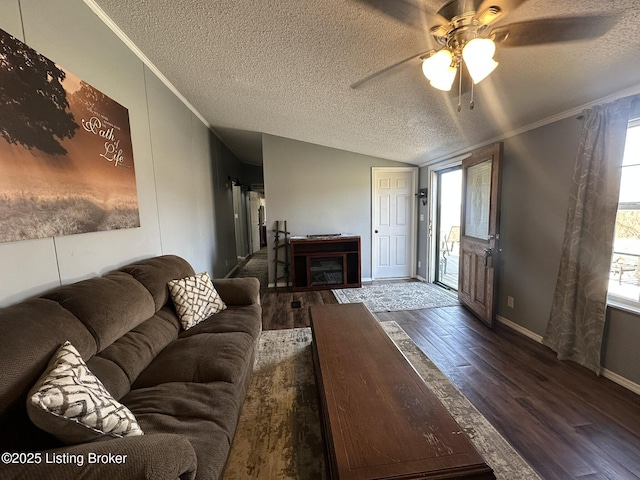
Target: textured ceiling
<point x="284" y="67"/>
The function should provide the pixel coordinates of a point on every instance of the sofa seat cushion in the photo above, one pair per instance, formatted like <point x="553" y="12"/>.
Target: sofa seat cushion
<point x="246" y="319"/>
<point x="207" y="414"/>
<point x="201" y="358"/>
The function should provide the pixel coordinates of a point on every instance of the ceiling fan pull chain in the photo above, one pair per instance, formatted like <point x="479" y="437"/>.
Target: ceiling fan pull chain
<point x="471" y="104"/>
<point x="460" y="89"/>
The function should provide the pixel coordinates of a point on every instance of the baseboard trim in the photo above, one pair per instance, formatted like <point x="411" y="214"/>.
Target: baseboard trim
<point x="620" y="380"/>
<point x="608" y="374"/>
<point x="232" y="271"/>
<point x="519" y="329"/>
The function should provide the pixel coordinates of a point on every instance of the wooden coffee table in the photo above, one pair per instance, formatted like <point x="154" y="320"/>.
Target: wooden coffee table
<point x="380" y="419"/>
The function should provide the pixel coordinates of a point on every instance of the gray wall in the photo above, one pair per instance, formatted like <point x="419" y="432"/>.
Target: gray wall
<point x="319" y="190"/>
<point x="180" y="165"/>
<point x="538" y="168"/>
<point x="225" y="165"/>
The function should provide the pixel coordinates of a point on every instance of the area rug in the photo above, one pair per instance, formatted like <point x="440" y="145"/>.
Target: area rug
<point x="256" y="266"/>
<point x="393" y="297"/>
<point x="279" y="436"/>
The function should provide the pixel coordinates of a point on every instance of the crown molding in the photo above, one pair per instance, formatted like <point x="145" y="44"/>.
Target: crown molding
<point x="540" y="123"/>
<point x="138" y="53"/>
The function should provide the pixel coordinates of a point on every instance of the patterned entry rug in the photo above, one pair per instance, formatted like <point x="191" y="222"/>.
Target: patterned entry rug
<point x="393" y="297"/>
<point x="279" y="436"/>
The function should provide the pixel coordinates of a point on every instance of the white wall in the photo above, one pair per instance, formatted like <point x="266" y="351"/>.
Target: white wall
<point x="319" y="190"/>
<point x="174" y="155"/>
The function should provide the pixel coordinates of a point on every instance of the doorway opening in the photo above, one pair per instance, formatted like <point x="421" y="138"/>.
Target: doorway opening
<point x="447" y="226"/>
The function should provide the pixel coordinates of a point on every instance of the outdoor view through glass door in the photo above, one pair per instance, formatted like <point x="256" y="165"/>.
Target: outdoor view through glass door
<point x="448" y="226"/>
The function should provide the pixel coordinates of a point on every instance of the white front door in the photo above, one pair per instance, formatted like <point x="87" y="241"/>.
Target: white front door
<point x="394" y="228"/>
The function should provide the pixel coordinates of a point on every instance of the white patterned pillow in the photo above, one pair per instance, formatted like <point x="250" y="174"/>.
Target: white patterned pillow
<point x="72" y="404"/>
<point x="195" y="299"/>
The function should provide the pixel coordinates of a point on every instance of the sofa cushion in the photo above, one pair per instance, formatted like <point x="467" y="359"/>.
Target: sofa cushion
<point x="108" y="306"/>
<point x="247" y="319"/>
<point x="238" y="291"/>
<point x="154" y="273"/>
<point x="30" y="333"/>
<point x="135" y="350"/>
<point x="201" y="358"/>
<point x="206" y="413"/>
<point x="195" y="299"/>
<point x="72" y="404"/>
<point x="111" y="375"/>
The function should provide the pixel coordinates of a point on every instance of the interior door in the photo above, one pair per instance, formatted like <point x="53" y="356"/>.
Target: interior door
<point x="254" y="221"/>
<point x="481" y="182"/>
<point x="394" y="204"/>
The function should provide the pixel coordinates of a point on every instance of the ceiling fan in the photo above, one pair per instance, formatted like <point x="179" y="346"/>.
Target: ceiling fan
<point x="465" y="31"/>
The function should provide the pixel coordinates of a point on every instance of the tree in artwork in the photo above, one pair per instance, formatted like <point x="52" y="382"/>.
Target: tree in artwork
<point x="33" y="103"/>
<point x="66" y="157"/>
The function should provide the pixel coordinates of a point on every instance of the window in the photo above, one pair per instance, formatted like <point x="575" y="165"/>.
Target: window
<point x="624" y="280"/>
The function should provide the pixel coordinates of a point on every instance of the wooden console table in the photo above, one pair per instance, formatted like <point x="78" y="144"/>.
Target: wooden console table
<point x="380" y="420"/>
<point x="325" y="262"/>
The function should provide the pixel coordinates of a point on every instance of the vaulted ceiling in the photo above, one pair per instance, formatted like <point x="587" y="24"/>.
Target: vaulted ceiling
<point x="284" y="67"/>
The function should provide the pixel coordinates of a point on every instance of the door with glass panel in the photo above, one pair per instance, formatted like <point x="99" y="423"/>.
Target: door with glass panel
<point x="479" y="231"/>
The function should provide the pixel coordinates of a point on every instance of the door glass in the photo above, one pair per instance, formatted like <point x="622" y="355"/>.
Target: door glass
<point x="448" y="226"/>
<point x="476" y="223"/>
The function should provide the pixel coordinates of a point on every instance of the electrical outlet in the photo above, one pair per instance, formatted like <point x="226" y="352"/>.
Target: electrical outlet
<point x="510" y="302"/>
<point x="419" y="264"/>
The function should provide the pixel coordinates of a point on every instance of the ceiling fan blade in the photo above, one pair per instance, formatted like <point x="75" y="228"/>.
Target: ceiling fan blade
<point x="553" y="30"/>
<point x="366" y="79"/>
<point x="505" y="6"/>
<point x="409" y="12"/>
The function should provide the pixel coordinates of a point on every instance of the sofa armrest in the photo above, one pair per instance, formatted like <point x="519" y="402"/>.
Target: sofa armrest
<point x="155" y="456"/>
<point x="238" y="291"/>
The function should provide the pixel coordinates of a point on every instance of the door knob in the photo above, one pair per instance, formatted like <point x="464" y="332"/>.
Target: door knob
<point x="376" y="231"/>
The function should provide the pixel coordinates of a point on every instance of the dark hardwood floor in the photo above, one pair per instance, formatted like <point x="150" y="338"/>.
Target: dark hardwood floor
<point x="566" y="422"/>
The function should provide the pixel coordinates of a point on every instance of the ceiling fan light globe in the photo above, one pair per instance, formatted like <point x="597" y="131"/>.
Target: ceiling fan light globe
<point x="478" y="57"/>
<point x="480" y="48"/>
<point x="445" y="80"/>
<point x="437" y="64"/>
<point x="481" y="70"/>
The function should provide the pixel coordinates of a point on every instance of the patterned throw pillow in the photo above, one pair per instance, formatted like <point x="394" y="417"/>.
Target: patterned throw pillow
<point x="72" y="404"/>
<point x="195" y="299"/>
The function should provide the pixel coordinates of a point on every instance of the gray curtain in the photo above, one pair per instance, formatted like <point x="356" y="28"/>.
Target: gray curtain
<point x="578" y="311"/>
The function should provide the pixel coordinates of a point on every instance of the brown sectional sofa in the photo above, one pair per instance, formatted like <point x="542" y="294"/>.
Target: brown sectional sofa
<point x="185" y="388"/>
